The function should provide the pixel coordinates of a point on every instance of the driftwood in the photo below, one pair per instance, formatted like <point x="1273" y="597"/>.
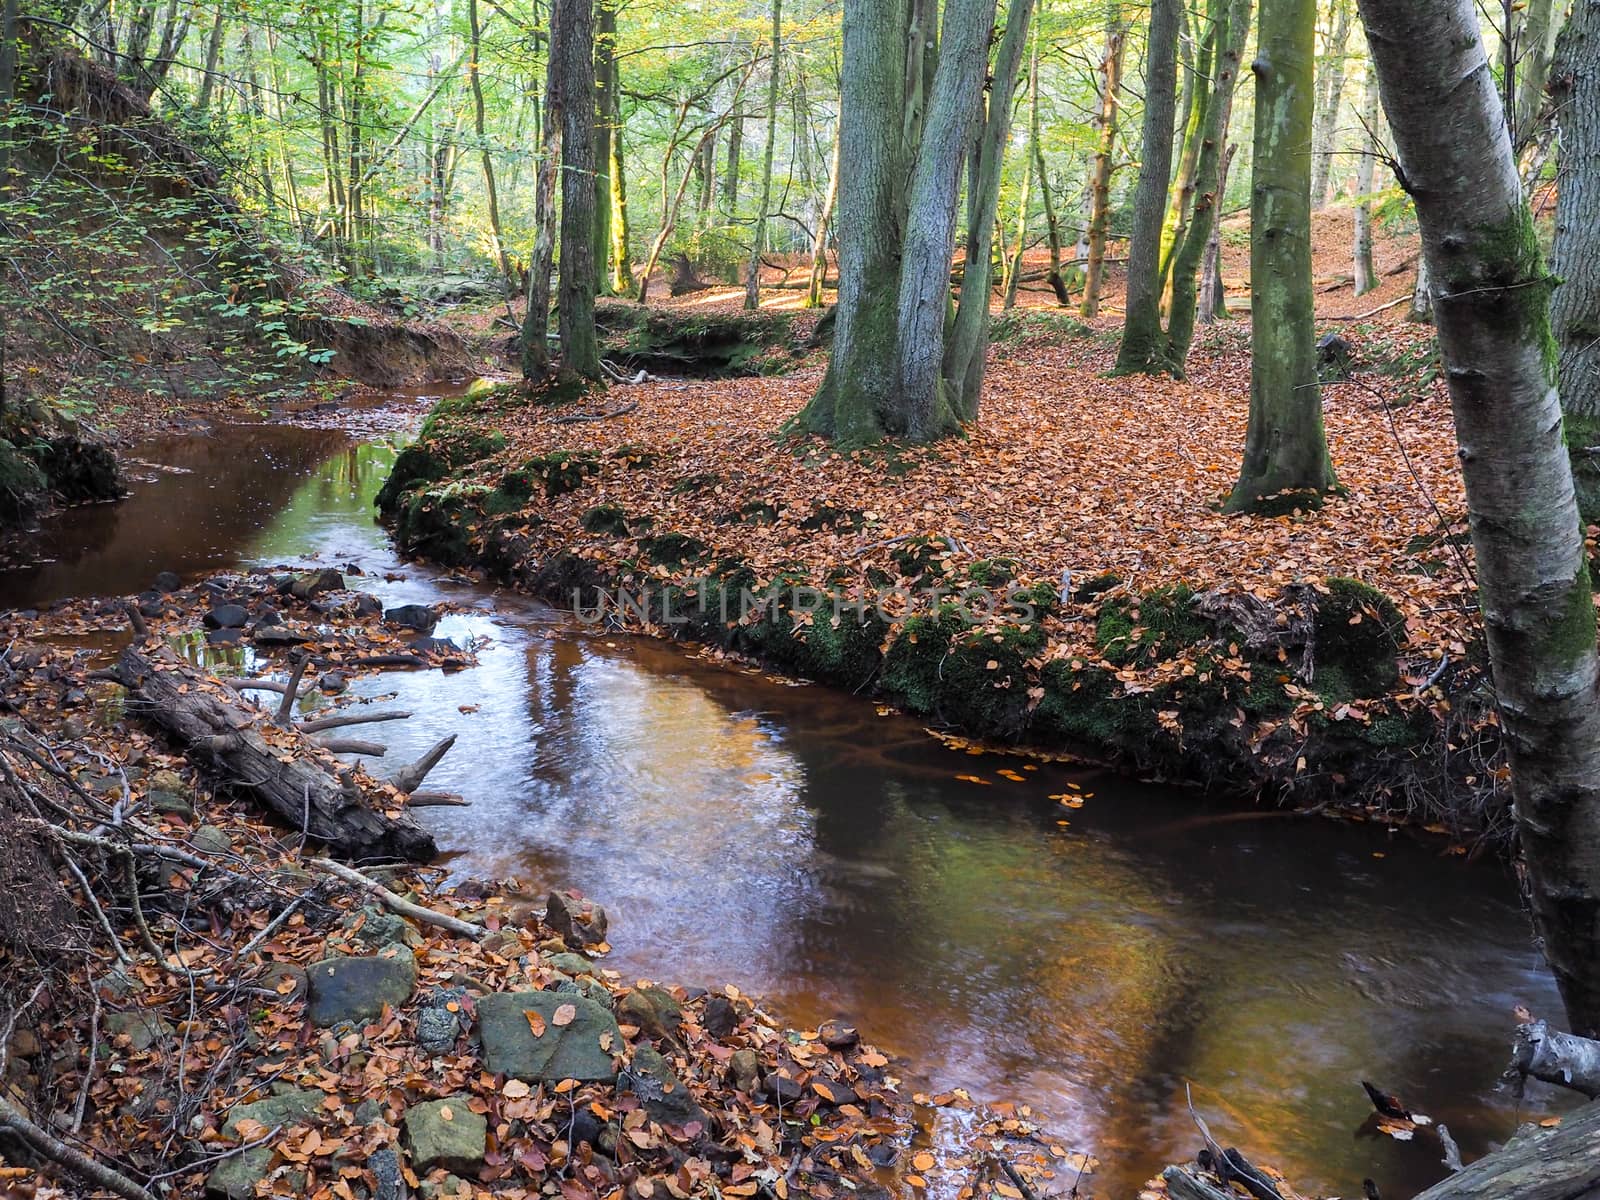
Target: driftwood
<point x="223" y="735"/>
<point x="1538" y="1164"/>
<point x="400" y="904"/>
<point x="1554" y="1057"/>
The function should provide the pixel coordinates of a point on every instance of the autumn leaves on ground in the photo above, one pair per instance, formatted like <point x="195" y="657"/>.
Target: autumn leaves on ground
<point x="1321" y="654"/>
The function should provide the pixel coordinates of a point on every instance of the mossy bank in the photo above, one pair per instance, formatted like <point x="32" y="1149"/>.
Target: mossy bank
<point x="1307" y="696"/>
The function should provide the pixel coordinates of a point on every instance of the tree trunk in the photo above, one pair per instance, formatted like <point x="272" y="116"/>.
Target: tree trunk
<point x="208" y="79"/>
<point x="1536" y="46"/>
<point x="1213" y="295"/>
<point x="854" y="403"/>
<point x="218" y="733"/>
<point x="1201" y="71"/>
<point x="1286" y="450"/>
<point x="605" y="132"/>
<point x="1575" y="308"/>
<point x="1330" y="96"/>
<point x="758" y="238"/>
<point x="1420" y="310"/>
<point x="730" y="178"/>
<point x="536" y="321"/>
<point x="621" y="231"/>
<point x="497" y="243"/>
<point x="1099" y="224"/>
<point x="819" y="243"/>
<point x="1366" y="278"/>
<point x="929" y="406"/>
<point x="573" y="51"/>
<point x="969" y="337"/>
<point x="1143" y="348"/>
<point x="1492" y="292"/>
<point x="1024" y="199"/>
<point x="1232" y="30"/>
<point x="1052" y="220"/>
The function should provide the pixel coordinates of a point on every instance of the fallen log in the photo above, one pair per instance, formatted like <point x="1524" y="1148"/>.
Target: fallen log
<point x="223" y="735"/>
<point x="1537" y="1164"/>
<point x="1554" y="1057"/>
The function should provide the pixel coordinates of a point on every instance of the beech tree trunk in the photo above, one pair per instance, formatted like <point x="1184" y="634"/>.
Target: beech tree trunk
<point x="573" y="52"/>
<point x="541" y="262"/>
<point x="1231" y="33"/>
<point x="1143" y="348"/>
<point x="819" y="242"/>
<point x="1491" y="293"/>
<point x="1366" y="278"/>
<point x="758" y="239"/>
<point x="968" y="344"/>
<point x="1536" y="50"/>
<point x="1213" y="296"/>
<point x="1099" y="225"/>
<point x="1330" y="97"/>
<point x="927" y="404"/>
<point x="1286" y="449"/>
<point x="606" y="131"/>
<point x="1575" y="307"/>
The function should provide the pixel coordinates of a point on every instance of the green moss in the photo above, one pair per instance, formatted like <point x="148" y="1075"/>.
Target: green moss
<point x="1150" y="629"/>
<point x="922" y="555"/>
<point x="1394" y="732"/>
<point x="562" y="471"/>
<point x="1505" y="266"/>
<point x="828" y="516"/>
<point x="1574" y="636"/>
<point x="1086" y="706"/>
<point x="635" y="458"/>
<point x="1358" y="631"/>
<point x="992" y="572"/>
<point x="606" y="519"/>
<point x="694" y="343"/>
<point x="1279" y="504"/>
<point x="438" y="523"/>
<point x="690" y="484"/>
<point x="22" y="484"/>
<point x="1096" y="585"/>
<point x="672" y="549"/>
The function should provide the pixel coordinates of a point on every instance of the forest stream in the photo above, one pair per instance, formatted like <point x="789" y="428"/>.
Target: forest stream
<point x="808" y="847"/>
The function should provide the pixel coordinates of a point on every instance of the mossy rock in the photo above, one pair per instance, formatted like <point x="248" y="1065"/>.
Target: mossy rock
<point x="992" y="572"/>
<point x="22" y="484"/>
<point x="829" y="516"/>
<point x="1358" y="634"/>
<point x="635" y="458"/>
<point x="689" y="485"/>
<point x="562" y="471"/>
<point x="1151" y="628"/>
<point x="438" y="523"/>
<point x="435" y="457"/>
<point x="922" y="555"/>
<point x="752" y="512"/>
<point x="673" y="549"/>
<point x="608" y="519"/>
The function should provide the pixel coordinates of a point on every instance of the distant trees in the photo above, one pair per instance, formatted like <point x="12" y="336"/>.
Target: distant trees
<point x="1286" y="450"/>
<point x="1491" y="291"/>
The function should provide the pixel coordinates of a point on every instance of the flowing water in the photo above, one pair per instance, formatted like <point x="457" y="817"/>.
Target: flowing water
<point x="796" y="842"/>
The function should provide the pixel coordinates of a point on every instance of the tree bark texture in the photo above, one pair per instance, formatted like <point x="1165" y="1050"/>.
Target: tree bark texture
<point x="1491" y="306"/>
<point x="1142" y="346"/>
<point x="1575" y="306"/>
<point x="1286" y="449"/>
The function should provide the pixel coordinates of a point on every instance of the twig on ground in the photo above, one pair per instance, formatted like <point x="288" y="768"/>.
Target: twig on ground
<point x="399" y="904"/>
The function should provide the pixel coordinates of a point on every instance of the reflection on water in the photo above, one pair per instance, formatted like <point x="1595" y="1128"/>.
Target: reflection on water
<point x="792" y="841"/>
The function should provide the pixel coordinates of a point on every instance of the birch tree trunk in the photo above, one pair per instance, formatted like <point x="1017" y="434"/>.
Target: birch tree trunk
<point x="1099" y="224"/>
<point x="573" y="52"/>
<point x="1213" y="296"/>
<point x="1420" y="310"/>
<point x="1366" y="278"/>
<point x="1286" y="450"/>
<point x="1142" y="348"/>
<point x="758" y="239"/>
<point x="1575" y="308"/>
<point x="1491" y="292"/>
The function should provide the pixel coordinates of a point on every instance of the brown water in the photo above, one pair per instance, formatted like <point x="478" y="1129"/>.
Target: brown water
<point x="793" y="841"/>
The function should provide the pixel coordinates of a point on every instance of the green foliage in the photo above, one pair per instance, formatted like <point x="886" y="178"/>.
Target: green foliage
<point x="1150" y="628"/>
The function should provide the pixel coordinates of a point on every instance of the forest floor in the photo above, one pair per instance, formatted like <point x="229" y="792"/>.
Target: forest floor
<point x="256" y="1025"/>
<point x="1068" y="478"/>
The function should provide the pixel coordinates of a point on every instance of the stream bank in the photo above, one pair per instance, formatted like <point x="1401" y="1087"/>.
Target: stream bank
<point x="1091" y="954"/>
<point x="1314" y="692"/>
